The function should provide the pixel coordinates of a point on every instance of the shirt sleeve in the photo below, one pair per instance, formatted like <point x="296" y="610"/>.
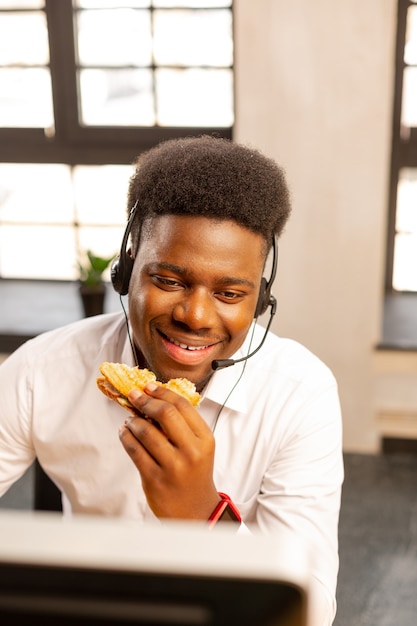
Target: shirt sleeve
<point x="302" y="490"/>
<point x="16" y="448"/>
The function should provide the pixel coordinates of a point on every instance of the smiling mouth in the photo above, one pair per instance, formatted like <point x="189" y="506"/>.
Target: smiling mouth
<point x="187" y="346"/>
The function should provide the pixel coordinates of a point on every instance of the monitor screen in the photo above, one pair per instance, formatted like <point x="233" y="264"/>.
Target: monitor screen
<point x="96" y="571"/>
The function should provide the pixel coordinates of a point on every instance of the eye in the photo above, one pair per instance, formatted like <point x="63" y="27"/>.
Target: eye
<point x="230" y="296"/>
<point x="166" y="283"/>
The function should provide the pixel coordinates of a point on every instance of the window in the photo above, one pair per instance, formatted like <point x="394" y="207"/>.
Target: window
<point x="85" y="86"/>
<point x="401" y="272"/>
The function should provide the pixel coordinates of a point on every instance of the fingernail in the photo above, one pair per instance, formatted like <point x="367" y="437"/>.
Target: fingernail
<point x="135" y="394"/>
<point x="151" y="387"/>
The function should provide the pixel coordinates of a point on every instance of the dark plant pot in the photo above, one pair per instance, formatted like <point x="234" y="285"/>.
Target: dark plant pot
<point x="92" y="299"/>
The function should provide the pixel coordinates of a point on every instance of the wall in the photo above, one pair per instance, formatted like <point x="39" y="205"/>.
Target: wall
<point x="314" y="85"/>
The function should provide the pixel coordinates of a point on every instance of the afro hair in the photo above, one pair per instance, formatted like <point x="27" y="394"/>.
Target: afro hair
<point x="210" y="177"/>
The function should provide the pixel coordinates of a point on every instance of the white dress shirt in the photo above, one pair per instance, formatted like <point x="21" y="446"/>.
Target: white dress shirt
<point x="276" y="420"/>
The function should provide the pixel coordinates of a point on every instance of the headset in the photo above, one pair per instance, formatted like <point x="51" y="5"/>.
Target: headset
<point x="122" y="266"/>
<point x="121" y="271"/>
<point x="265" y="298"/>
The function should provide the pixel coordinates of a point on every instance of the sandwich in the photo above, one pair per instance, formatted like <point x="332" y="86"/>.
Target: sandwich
<point x="118" y="380"/>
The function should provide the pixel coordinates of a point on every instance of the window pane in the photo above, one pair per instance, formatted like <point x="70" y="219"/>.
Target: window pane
<point x="101" y="193"/>
<point x="405" y="245"/>
<point x="113" y="41"/>
<point x="195" y="33"/>
<point x="24" y="39"/>
<point x="405" y="262"/>
<point x="410" y="50"/>
<point x="50" y="198"/>
<point x="406" y="216"/>
<point x="22" y="4"/>
<point x="103" y="4"/>
<point x="103" y="241"/>
<point x="37" y="252"/>
<point x="409" y="97"/>
<point x="67" y="213"/>
<point x="192" y="3"/>
<point x="25" y="92"/>
<point x="26" y="98"/>
<point x="117" y="97"/>
<point x="118" y="37"/>
<point x="194" y="97"/>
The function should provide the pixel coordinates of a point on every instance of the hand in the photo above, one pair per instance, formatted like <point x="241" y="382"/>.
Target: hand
<point x="176" y="460"/>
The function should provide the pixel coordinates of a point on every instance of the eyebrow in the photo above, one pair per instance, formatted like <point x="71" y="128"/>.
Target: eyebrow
<point x="182" y="271"/>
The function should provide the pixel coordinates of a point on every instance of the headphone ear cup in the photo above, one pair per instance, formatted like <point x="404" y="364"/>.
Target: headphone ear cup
<point x="120" y="272"/>
<point x="263" y="298"/>
<point x="122" y="266"/>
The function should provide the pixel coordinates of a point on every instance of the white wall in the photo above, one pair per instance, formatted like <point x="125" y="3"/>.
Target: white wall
<point x="314" y="84"/>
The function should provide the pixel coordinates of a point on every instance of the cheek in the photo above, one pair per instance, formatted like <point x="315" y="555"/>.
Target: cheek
<point x="138" y="291"/>
<point x="240" y="322"/>
<point x="149" y="302"/>
<point x="145" y="306"/>
<point x="138" y="308"/>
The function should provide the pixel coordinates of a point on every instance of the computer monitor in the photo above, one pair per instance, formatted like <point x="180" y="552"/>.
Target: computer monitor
<point x="108" y="572"/>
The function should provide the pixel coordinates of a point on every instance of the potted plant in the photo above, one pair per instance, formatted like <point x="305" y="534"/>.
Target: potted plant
<point x="92" y="287"/>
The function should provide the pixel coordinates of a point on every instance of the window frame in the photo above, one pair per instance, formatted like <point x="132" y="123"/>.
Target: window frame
<point x="71" y="143"/>
<point x="403" y="148"/>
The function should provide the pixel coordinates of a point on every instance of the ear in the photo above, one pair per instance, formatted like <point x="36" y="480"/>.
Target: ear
<point x="129" y="253"/>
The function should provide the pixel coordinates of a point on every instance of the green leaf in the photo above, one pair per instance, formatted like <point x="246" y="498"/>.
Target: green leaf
<point x="91" y="270"/>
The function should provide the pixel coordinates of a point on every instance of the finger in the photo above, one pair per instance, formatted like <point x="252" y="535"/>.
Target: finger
<point x="169" y="479"/>
<point x="181" y="446"/>
<point x="149" y="469"/>
<point x="171" y="410"/>
<point x="151" y="437"/>
<point x="138" y="452"/>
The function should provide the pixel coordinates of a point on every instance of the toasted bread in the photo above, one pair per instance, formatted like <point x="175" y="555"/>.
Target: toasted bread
<point x="119" y="379"/>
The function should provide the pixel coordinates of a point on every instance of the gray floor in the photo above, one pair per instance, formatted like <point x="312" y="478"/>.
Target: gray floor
<point x="20" y="496"/>
<point x="378" y="542"/>
<point x="378" y="539"/>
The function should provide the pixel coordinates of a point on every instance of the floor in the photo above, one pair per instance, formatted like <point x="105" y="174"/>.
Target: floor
<point x="378" y="539"/>
<point x="378" y="542"/>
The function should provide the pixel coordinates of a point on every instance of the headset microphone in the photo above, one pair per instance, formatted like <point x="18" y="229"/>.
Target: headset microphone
<point x="222" y="363"/>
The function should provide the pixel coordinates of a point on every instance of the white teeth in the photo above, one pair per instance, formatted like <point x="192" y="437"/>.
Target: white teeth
<point x="184" y="346"/>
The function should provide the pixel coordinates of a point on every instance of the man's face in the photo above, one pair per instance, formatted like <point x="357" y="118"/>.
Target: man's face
<point x="193" y="293"/>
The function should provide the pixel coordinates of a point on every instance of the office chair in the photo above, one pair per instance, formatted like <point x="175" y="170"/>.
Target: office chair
<point x="47" y="494"/>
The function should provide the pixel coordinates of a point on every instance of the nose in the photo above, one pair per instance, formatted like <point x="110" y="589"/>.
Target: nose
<point x="196" y="309"/>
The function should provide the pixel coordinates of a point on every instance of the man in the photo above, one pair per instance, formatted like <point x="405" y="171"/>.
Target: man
<point x="205" y="214"/>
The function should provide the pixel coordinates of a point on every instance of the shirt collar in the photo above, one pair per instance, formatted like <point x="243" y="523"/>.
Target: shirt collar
<point x="225" y="386"/>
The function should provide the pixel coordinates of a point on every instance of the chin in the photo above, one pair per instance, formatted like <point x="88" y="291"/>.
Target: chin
<point x="199" y="379"/>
